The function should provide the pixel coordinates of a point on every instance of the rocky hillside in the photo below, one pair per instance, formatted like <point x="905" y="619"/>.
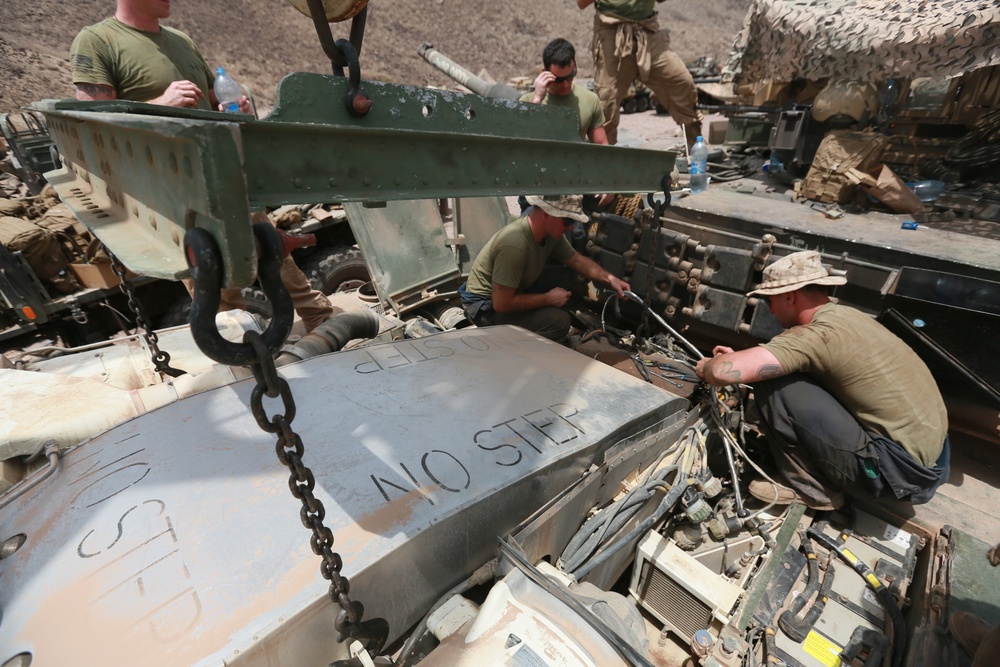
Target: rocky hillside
<point x="259" y="41"/>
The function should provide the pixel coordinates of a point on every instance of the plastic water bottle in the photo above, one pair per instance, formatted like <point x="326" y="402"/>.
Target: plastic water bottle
<point x="774" y="164"/>
<point x="227" y="91"/>
<point x="698" y="167"/>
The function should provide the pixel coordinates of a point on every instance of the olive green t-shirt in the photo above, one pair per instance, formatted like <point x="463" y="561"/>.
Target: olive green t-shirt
<point x="139" y="65"/>
<point x="634" y="10"/>
<point x="874" y="374"/>
<point x="586" y="103"/>
<point x="512" y="258"/>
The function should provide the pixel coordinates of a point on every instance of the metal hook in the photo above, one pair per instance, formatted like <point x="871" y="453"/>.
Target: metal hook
<point x="206" y="271"/>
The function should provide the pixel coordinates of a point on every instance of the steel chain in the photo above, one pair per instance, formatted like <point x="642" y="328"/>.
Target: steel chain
<point x="161" y="360"/>
<point x="654" y="242"/>
<point x="301" y="483"/>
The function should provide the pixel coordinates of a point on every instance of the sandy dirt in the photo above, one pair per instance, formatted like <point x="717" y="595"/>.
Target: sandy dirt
<point x="260" y="41"/>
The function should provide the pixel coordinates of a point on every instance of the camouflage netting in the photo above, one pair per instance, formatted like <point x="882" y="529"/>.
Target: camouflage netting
<point x="868" y="40"/>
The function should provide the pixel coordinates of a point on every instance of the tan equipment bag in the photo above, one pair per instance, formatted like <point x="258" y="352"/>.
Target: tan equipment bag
<point x="840" y="151"/>
<point x="40" y="247"/>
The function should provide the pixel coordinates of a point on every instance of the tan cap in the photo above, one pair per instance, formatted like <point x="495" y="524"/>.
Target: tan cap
<point x="561" y="206"/>
<point x="794" y="271"/>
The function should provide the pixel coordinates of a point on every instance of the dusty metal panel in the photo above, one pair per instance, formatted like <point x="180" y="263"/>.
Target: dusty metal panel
<point x="477" y="219"/>
<point x="404" y="244"/>
<point x="173" y="540"/>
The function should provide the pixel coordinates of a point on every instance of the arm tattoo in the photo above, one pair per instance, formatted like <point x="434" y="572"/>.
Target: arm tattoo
<point x="96" y="91"/>
<point x="728" y="373"/>
<point x="770" y="371"/>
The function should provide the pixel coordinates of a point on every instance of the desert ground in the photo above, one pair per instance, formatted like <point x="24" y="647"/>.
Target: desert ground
<point x="260" y="41"/>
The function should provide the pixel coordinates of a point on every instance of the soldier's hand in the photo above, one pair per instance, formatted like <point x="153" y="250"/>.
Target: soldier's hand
<point x="542" y="83"/>
<point x="558" y="297"/>
<point x="182" y="94"/>
<point x="619" y="286"/>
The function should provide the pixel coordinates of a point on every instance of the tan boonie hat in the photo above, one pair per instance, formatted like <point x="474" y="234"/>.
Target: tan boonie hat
<point x="562" y="206"/>
<point x="794" y="271"/>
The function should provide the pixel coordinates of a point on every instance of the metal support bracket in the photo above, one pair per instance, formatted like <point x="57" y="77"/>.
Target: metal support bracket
<point x="139" y="176"/>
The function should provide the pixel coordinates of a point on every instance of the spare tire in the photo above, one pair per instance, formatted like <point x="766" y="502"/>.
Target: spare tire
<point x="339" y="269"/>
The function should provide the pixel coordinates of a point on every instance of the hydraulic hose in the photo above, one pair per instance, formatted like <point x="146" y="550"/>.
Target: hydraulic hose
<point x="881" y="591"/>
<point x="789" y="621"/>
<point x="331" y="336"/>
<point x="596" y="529"/>
<point x="695" y="351"/>
<point x="675" y="493"/>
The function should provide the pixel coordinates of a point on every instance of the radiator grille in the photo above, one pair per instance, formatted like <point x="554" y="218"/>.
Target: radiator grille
<point x="662" y="595"/>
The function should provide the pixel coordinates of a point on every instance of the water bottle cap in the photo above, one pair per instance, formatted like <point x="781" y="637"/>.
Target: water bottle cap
<point x="220" y="71"/>
<point x="699" y="138"/>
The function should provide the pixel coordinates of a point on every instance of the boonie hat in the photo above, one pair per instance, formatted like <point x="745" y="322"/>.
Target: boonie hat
<point x="561" y="206"/>
<point x="794" y="271"/>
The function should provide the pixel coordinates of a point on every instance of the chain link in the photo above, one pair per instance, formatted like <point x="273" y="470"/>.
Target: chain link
<point x="301" y="483"/>
<point x="161" y="360"/>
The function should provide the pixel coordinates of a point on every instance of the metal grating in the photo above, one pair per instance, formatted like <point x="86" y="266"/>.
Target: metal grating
<point x="662" y="595"/>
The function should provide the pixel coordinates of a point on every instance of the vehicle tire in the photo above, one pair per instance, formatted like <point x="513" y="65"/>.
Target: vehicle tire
<point x="642" y="104"/>
<point x="176" y="313"/>
<point x="256" y="302"/>
<point x="660" y="109"/>
<point x="340" y="269"/>
<point x="629" y="105"/>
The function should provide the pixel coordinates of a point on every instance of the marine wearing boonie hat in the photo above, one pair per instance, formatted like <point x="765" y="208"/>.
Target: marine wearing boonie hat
<point x="795" y="271"/>
<point x="561" y="206"/>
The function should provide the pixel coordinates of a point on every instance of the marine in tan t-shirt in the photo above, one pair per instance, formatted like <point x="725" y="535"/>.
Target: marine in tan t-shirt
<point x="873" y="373"/>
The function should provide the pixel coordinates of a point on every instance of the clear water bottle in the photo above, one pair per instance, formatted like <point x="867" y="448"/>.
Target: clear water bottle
<point x="698" y="167"/>
<point x="227" y="91"/>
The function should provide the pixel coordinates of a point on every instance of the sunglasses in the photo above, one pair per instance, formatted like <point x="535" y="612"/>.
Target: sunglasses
<point x="563" y="79"/>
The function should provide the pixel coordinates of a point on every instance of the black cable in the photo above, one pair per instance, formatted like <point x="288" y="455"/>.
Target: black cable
<point x="883" y="593"/>
<point x="980" y="147"/>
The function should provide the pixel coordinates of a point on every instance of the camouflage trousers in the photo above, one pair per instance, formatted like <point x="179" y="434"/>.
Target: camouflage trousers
<point x="310" y="304"/>
<point x="628" y="50"/>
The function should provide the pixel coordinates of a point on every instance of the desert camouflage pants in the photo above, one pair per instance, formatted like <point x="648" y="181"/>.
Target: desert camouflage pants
<point x="310" y="304"/>
<point x="627" y="50"/>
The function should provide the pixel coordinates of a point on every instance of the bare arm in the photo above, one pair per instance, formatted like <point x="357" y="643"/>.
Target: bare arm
<point x="598" y="136"/>
<point x="745" y="366"/>
<point x="588" y="268"/>
<point x="583" y="4"/>
<point x="95" y="92"/>
<point x="508" y="300"/>
<point x="183" y="94"/>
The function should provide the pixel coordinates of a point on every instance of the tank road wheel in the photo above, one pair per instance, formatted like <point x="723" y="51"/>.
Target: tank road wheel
<point x="341" y="269"/>
<point x="629" y="105"/>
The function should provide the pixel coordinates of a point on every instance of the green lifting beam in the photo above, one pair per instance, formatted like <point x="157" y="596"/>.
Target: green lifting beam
<point x="140" y="175"/>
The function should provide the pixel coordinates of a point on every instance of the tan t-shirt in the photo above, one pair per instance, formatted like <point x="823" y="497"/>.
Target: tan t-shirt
<point x="139" y="65"/>
<point x="586" y="103"/>
<point x="512" y="258"/>
<point x="873" y="373"/>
